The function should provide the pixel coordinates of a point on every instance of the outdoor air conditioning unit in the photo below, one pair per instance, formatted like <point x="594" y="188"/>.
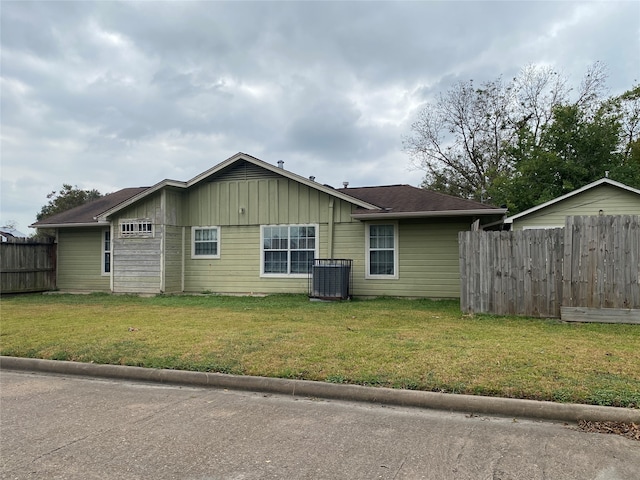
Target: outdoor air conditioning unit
<point x="330" y="279"/>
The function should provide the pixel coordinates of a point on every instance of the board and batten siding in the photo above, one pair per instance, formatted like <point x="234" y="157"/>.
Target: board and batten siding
<point x="80" y="257"/>
<point x="611" y="200"/>
<point x="260" y="202"/>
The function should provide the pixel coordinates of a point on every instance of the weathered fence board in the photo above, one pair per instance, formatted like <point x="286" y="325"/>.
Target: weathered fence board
<point x="600" y="315"/>
<point x="27" y="266"/>
<point x="592" y="263"/>
<point x="511" y="273"/>
<point x="604" y="253"/>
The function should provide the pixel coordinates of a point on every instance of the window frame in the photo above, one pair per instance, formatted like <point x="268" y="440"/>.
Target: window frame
<point x="193" y="241"/>
<point x="316" y="249"/>
<point x="139" y="228"/>
<point x="368" y="249"/>
<point x="104" y="252"/>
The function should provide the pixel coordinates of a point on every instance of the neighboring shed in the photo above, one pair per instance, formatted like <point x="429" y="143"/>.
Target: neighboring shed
<point x="602" y="197"/>
<point x="7" y="234"/>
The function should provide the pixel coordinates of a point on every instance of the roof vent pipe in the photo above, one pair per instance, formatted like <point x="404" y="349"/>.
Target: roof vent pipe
<point x="345" y="184"/>
<point x="280" y="163"/>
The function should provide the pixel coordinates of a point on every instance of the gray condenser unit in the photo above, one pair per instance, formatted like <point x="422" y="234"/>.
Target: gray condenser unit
<point x="330" y="279"/>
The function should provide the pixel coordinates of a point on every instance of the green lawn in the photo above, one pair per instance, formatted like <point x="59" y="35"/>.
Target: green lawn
<point x="412" y="344"/>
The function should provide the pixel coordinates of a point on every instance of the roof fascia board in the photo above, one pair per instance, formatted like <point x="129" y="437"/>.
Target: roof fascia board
<point x="441" y="213"/>
<point x="284" y="173"/>
<point x="571" y="194"/>
<point x="66" y="225"/>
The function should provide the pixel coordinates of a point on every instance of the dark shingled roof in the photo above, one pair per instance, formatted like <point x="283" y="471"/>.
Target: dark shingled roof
<point x="86" y="213"/>
<point x="405" y="198"/>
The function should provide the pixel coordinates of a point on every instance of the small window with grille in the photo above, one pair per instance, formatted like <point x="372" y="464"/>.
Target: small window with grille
<point x="140" y="227"/>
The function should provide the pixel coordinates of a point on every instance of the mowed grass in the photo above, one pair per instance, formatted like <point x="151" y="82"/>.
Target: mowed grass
<point x="411" y="344"/>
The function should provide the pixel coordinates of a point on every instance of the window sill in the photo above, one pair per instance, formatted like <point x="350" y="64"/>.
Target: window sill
<point x="284" y="275"/>
<point x="381" y="277"/>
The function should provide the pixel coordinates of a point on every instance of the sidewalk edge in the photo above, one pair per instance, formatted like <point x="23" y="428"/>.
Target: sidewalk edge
<point x="472" y="404"/>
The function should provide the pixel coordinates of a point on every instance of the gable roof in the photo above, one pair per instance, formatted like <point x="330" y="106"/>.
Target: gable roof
<point x="238" y="157"/>
<point x="597" y="183"/>
<point x="405" y="201"/>
<point x="391" y="201"/>
<point x="87" y="214"/>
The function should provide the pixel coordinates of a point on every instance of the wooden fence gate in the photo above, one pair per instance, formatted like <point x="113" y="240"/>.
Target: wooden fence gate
<point x="27" y="265"/>
<point x="587" y="270"/>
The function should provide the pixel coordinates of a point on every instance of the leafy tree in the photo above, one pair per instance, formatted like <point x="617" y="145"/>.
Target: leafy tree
<point x="68" y="197"/>
<point x="468" y="139"/>
<point x="627" y="107"/>
<point x="574" y="148"/>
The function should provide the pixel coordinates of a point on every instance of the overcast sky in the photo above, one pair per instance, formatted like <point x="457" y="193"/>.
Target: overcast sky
<point x="109" y="95"/>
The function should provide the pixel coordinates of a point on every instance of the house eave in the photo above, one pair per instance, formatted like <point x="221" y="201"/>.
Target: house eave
<point x="69" y="225"/>
<point x="428" y="214"/>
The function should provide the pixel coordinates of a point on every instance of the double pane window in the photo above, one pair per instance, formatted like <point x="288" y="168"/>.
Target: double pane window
<point x="381" y="250"/>
<point x="288" y="249"/>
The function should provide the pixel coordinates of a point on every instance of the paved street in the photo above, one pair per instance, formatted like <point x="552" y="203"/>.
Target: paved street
<point x="58" y="427"/>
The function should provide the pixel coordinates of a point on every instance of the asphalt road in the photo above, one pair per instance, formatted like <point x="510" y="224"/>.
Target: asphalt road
<point x="57" y="427"/>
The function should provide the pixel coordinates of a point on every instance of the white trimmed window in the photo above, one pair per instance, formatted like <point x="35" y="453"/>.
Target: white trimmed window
<point x="205" y="242"/>
<point x="106" y="252"/>
<point x="288" y="250"/>
<point x="139" y="227"/>
<point x="382" y="250"/>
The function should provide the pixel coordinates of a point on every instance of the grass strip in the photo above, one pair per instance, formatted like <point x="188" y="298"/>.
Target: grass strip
<point x="410" y="344"/>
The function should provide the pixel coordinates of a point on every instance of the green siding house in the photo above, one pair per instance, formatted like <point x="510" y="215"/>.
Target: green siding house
<point x="602" y="197"/>
<point x="246" y="226"/>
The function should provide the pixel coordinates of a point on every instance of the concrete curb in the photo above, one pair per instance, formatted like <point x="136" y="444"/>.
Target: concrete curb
<point x="505" y="407"/>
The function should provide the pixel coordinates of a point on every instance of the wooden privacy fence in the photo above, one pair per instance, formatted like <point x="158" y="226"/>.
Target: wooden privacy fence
<point x="590" y="265"/>
<point x="27" y="265"/>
